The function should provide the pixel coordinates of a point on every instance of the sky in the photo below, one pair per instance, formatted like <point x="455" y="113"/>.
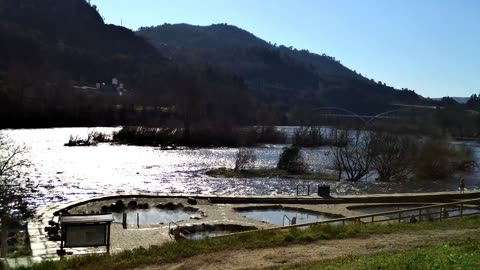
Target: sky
<point x="430" y="46"/>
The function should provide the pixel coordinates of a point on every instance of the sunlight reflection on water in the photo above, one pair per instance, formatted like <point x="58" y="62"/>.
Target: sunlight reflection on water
<point x="68" y="173"/>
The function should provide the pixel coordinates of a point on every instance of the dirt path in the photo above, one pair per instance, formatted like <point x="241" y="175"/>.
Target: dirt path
<point x="320" y="250"/>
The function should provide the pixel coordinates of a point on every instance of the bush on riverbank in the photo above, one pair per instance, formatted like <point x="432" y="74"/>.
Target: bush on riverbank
<point x="395" y="157"/>
<point x="269" y="135"/>
<point x="93" y="138"/>
<point x="244" y="159"/>
<point x="292" y="161"/>
<point x="206" y="136"/>
<point x="312" y="136"/>
<point x="438" y="159"/>
<point x="146" y="136"/>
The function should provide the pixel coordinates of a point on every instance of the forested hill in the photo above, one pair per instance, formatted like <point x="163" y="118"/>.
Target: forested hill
<point x="54" y="52"/>
<point x="73" y="23"/>
<point x="282" y="77"/>
<point x="224" y="36"/>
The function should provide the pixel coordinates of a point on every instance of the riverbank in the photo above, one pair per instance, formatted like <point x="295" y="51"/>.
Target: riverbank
<point x="267" y="173"/>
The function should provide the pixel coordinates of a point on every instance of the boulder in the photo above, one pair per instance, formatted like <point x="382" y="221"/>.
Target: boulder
<point x="169" y="206"/>
<point x="143" y="206"/>
<point x="106" y="209"/>
<point x="132" y="205"/>
<point x="118" y="207"/>
<point x="192" y="201"/>
<point x="189" y="209"/>
<point x="121" y="205"/>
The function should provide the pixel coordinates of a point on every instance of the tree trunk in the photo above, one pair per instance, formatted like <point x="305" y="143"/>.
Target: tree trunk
<point x="4" y="238"/>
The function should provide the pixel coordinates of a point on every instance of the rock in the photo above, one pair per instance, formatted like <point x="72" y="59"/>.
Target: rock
<point x="132" y="205"/>
<point x="143" y="206"/>
<point x="201" y="213"/>
<point x="180" y="206"/>
<point x="121" y="205"/>
<point x="118" y="207"/>
<point x="159" y="206"/>
<point x="106" y="209"/>
<point x="192" y="201"/>
<point x="195" y="217"/>
<point x="169" y="206"/>
<point x="189" y="209"/>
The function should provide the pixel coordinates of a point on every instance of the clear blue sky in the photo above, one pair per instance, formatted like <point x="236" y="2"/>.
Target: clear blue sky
<point x="430" y="46"/>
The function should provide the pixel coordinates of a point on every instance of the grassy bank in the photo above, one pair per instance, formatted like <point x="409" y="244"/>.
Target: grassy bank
<point x="463" y="254"/>
<point x="174" y="251"/>
<point x="265" y="173"/>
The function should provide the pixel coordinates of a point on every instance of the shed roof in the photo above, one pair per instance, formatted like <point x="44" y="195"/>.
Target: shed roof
<point x="76" y="219"/>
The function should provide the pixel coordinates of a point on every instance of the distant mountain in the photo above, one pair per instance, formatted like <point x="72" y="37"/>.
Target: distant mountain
<point x="285" y="78"/>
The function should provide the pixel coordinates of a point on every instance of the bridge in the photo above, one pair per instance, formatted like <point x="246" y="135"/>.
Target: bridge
<point x="396" y="114"/>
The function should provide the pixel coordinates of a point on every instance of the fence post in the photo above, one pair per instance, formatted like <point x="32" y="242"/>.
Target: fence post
<point x="124" y="220"/>
<point x="308" y="190"/>
<point x="399" y="217"/>
<point x="420" y="215"/>
<point x="461" y="210"/>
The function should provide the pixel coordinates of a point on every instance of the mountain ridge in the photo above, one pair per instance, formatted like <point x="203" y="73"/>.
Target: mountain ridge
<point x="285" y="77"/>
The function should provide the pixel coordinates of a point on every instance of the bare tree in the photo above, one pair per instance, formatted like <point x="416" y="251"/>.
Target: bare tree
<point x="16" y="190"/>
<point x="356" y="157"/>
<point x="394" y="155"/>
<point x="244" y="159"/>
<point x="340" y="138"/>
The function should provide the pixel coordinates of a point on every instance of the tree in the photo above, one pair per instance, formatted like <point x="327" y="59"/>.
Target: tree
<point x="245" y="158"/>
<point x="16" y="190"/>
<point x="355" y="158"/>
<point x="394" y="155"/>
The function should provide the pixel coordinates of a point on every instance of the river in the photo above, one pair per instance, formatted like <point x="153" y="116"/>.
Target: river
<point x="68" y="173"/>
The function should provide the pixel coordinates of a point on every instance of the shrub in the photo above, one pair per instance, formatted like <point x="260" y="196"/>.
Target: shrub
<point x="269" y="134"/>
<point x="394" y="155"/>
<point x="291" y="160"/>
<point x="438" y="159"/>
<point x="147" y="136"/>
<point x="308" y="137"/>
<point x="244" y="159"/>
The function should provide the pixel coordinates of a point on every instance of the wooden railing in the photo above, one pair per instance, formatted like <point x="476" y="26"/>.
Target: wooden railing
<point x="426" y="213"/>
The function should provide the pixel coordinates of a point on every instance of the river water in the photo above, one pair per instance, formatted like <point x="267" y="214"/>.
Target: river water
<point x="67" y="173"/>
